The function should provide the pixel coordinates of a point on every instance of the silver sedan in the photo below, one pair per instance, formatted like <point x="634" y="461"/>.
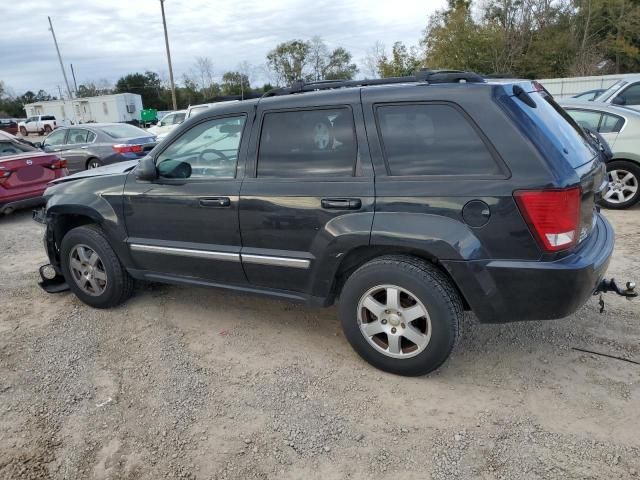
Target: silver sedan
<point x="620" y="127"/>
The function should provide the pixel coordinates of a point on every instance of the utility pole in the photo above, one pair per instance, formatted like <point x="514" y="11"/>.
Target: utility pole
<point x="64" y="73"/>
<point x="75" y="85"/>
<point x="166" y="41"/>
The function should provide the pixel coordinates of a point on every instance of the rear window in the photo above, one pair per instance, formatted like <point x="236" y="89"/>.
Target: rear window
<point x="551" y="124"/>
<point x="432" y="139"/>
<point x="48" y="117"/>
<point x="124" y="130"/>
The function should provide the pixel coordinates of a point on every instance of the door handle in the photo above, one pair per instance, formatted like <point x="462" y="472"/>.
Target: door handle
<point x="341" y="203"/>
<point x="215" y="202"/>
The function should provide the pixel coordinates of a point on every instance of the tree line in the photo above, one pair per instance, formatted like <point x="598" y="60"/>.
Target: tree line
<point x="519" y="38"/>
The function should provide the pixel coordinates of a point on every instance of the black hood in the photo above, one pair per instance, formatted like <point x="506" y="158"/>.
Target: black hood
<point x="120" y="167"/>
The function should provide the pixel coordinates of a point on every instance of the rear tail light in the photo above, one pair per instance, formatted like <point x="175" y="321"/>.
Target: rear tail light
<point x="61" y="163"/>
<point x="4" y="174"/>
<point x="552" y="215"/>
<point x="126" y="148"/>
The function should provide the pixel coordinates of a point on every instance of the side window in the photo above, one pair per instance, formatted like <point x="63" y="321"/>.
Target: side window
<point x="307" y="143"/>
<point x="208" y="150"/>
<point x="631" y="95"/>
<point x="56" y="138"/>
<point x="432" y="140"/>
<point x="586" y="118"/>
<point x="91" y="136"/>
<point x="611" y="123"/>
<point x="77" y="135"/>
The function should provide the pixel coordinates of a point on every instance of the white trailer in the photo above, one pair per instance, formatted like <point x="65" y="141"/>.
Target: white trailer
<point x="119" y="107"/>
<point x="568" y="87"/>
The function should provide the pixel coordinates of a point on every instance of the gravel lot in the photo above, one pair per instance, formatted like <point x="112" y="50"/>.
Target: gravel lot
<point x="197" y="383"/>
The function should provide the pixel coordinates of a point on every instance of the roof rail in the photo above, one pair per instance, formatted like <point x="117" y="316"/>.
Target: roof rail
<point x="422" y="76"/>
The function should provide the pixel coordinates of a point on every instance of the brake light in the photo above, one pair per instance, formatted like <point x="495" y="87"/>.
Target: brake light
<point x="553" y="216"/>
<point x="126" y="148"/>
<point x="4" y="174"/>
<point x="61" y="163"/>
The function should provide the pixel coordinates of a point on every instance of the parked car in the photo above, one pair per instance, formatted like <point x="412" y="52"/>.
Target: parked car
<point x="9" y="125"/>
<point x="589" y="95"/>
<point x="620" y="127"/>
<point x="194" y="109"/>
<point x="407" y="202"/>
<point x="97" y="144"/>
<point x="624" y="92"/>
<point x="25" y="172"/>
<point x="39" y="124"/>
<point x="168" y="122"/>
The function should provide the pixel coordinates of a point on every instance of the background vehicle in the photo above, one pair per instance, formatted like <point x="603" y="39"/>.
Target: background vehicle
<point x="408" y="199"/>
<point x="589" y="95"/>
<point x="624" y="92"/>
<point x="168" y="122"/>
<point x="38" y="124"/>
<point x="24" y="174"/>
<point x="620" y="127"/>
<point x="9" y="125"/>
<point x="194" y="109"/>
<point x="97" y="144"/>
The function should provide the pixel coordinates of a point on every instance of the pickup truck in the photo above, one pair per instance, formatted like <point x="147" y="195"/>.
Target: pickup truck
<point x="39" y="124"/>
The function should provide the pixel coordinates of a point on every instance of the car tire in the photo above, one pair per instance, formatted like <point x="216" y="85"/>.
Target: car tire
<point x="23" y="132"/>
<point x="624" y="185"/>
<point x="47" y="129"/>
<point x="107" y="283"/>
<point x="93" y="163"/>
<point x="421" y="286"/>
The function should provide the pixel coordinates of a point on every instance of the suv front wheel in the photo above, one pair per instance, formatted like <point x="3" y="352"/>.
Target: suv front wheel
<point x="401" y="314"/>
<point x="92" y="269"/>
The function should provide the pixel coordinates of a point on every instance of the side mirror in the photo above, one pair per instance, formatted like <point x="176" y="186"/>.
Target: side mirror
<point x="38" y="145"/>
<point x="619" y="100"/>
<point x="146" y="169"/>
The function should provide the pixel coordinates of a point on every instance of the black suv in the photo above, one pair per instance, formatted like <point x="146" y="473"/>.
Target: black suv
<point x="405" y="200"/>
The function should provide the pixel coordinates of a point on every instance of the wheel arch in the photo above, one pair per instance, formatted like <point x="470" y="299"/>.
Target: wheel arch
<point x="359" y="256"/>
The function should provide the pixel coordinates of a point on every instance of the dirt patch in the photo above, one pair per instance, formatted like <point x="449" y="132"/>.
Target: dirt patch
<point x="197" y="383"/>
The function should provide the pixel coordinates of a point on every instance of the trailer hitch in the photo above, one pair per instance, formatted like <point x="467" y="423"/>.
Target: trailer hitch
<point x="611" y="286"/>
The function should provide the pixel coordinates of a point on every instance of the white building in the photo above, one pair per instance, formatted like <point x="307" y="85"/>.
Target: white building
<point x="120" y="107"/>
<point x="570" y="86"/>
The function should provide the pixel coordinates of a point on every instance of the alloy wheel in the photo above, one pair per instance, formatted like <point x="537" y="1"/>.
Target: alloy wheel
<point x="394" y="321"/>
<point x="623" y="185"/>
<point x="87" y="270"/>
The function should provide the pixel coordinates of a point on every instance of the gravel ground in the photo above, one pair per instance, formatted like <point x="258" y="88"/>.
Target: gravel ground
<point x="196" y="383"/>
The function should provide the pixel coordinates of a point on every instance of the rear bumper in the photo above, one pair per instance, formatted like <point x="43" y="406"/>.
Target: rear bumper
<point x="21" y="203"/>
<point x="507" y="290"/>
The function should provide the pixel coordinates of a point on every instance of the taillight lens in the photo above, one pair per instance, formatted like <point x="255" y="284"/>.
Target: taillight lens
<point x="553" y="216"/>
<point x="4" y="174"/>
<point x="126" y="148"/>
<point x="61" y="163"/>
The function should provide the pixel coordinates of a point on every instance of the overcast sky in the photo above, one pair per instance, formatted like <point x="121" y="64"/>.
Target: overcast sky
<point x="107" y="39"/>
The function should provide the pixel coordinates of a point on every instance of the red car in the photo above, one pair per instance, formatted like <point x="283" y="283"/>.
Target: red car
<point x="25" y="172"/>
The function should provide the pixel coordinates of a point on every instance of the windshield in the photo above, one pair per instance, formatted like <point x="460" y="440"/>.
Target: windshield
<point x="123" y="130"/>
<point x="611" y="90"/>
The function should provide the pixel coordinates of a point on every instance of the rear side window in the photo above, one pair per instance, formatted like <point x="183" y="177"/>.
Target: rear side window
<point x="48" y="117"/>
<point x="611" y="123"/>
<point x="307" y="143"/>
<point x="432" y="139"/>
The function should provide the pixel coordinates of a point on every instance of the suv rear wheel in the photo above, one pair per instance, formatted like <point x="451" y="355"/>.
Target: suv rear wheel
<point x="624" y="185"/>
<point x="92" y="269"/>
<point x="401" y="314"/>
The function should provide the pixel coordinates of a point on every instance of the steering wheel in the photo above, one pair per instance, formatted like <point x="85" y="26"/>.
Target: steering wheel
<point x="218" y="153"/>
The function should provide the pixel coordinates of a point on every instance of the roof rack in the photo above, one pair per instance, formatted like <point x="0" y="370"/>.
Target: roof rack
<point x="422" y="76"/>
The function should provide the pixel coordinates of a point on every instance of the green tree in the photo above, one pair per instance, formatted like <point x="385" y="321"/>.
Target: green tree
<point x="289" y="61"/>
<point x="235" y="83"/>
<point x="148" y="85"/>
<point x="402" y="63"/>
